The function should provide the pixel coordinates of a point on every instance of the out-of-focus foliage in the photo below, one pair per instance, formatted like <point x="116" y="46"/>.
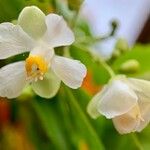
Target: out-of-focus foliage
<point x="141" y="54"/>
<point x="11" y="8"/>
<point x="62" y="123"/>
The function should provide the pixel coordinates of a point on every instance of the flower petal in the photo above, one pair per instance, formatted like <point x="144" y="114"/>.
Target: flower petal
<point x="12" y="79"/>
<point x="43" y="51"/>
<point x="48" y="87"/>
<point x="13" y="40"/>
<point x="140" y="86"/>
<point x="32" y="20"/>
<point x="144" y="105"/>
<point x="92" y="106"/>
<point x="117" y="100"/>
<point x="58" y="33"/>
<point x="71" y="72"/>
<point x="127" y="122"/>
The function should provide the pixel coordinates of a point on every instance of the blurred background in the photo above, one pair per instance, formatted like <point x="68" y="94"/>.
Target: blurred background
<point x="111" y="32"/>
<point x="132" y="18"/>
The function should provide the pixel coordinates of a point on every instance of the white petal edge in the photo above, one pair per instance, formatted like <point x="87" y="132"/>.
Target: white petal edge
<point x="48" y="87"/>
<point x="43" y="51"/>
<point x="144" y="105"/>
<point x="92" y="106"/>
<point x="58" y="33"/>
<point x="13" y="40"/>
<point x="141" y="86"/>
<point x="142" y="89"/>
<point x="32" y="20"/>
<point x="127" y="122"/>
<point x="71" y="72"/>
<point x="12" y="79"/>
<point x="117" y="100"/>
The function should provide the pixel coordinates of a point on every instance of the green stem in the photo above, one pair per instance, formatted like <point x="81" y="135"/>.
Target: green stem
<point x="97" y="58"/>
<point x="108" y="68"/>
<point x="74" y="19"/>
<point x="137" y="142"/>
<point x="83" y="116"/>
<point x="90" y="40"/>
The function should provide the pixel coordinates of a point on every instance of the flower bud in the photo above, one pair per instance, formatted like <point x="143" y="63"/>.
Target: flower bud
<point x="75" y="5"/>
<point x="116" y="53"/>
<point x="130" y="66"/>
<point x="122" y="45"/>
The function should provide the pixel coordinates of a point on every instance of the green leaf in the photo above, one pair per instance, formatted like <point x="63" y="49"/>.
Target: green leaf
<point x="47" y="117"/>
<point x="84" y="128"/>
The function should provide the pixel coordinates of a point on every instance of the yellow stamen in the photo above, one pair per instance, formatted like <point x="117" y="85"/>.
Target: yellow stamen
<point x="36" y="66"/>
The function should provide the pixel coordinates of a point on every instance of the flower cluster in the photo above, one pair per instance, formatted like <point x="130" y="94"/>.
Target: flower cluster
<point x="124" y="100"/>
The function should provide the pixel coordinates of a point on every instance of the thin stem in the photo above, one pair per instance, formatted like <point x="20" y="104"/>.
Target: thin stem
<point x="74" y="19"/>
<point x="91" y="40"/>
<point x="97" y="58"/>
<point x="137" y="142"/>
<point x="108" y="68"/>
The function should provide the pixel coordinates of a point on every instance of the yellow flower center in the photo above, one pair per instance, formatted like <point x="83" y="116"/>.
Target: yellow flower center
<point x="36" y="67"/>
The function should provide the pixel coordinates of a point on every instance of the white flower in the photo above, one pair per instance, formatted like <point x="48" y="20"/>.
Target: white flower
<point x="37" y="34"/>
<point x="124" y="100"/>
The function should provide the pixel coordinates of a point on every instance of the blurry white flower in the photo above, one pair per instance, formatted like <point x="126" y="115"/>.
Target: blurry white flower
<point x="124" y="100"/>
<point x="37" y="34"/>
